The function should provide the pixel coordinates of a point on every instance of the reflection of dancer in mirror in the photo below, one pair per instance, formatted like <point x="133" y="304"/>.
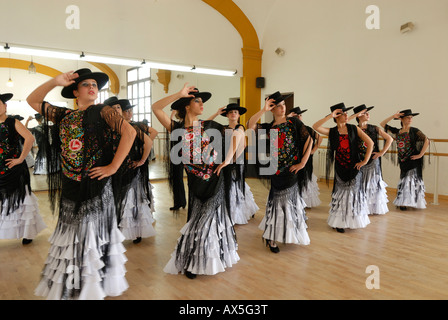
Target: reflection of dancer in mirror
<point x="372" y="177"/>
<point x="86" y="259"/>
<point x="208" y="242"/>
<point x="348" y="200"/>
<point x="242" y="205"/>
<point x="133" y="190"/>
<point x="19" y="216"/>
<point x="310" y="193"/>
<point x="40" y="164"/>
<point x="411" y="145"/>
<point x="284" y="220"/>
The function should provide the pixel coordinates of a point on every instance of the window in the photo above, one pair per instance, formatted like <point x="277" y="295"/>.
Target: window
<point x="139" y="93"/>
<point x="103" y="94"/>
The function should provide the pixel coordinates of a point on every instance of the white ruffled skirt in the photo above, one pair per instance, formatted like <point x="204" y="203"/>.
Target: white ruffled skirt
<point x="411" y="191"/>
<point x="375" y="188"/>
<point x="348" y="207"/>
<point x="284" y="220"/>
<point x="310" y="194"/>
<point x="137" y="218"/>
<point x="86" y="257"/>
<point x="208" y="243"/>
<point x="242" y="206"/>
<point x="24" y="222"/>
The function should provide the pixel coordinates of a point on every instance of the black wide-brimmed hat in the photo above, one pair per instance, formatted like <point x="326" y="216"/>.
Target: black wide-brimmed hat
<point x="340" y="105"/>
<point x="6" y="97"/>
<point x="298" y="111"/>
<point x="407" y="112"/>
<point x="278" y="97"/>
<point x="125" y="104"/>
<point x="233" y="106"/>
<point x="17" y="116"/>
<point x="100" y="77"/>
<point x="183" y="102"/>
<point x="362" y="108"/>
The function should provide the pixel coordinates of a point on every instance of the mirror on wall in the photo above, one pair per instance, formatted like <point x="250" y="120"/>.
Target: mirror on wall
<point x="21" y="70"/>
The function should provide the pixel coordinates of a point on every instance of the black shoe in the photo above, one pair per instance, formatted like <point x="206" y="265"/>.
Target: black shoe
<point x="190" y="275"/>
<point x="177" y="208"/>
<point x="341" y="230"/>
<point x="403" y="208"/>
<point x="137" y="240"/>
<point x="26" y="241"/>
<point x="272" y="248"/>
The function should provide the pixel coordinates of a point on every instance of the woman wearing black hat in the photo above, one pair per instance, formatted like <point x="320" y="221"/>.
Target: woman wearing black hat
<point x="208" y="243"/>
<point x="348" y="200"/>
<point x="310" y="193"/>
<point x="86" y="259"/>
<point x="372" y="177"/>
<point x="411" y="145"/>
<point x="19" y="216"/>
<point x="242" y="205"/>
<point x="290" y="148"/>
<point x="132" y="188"/>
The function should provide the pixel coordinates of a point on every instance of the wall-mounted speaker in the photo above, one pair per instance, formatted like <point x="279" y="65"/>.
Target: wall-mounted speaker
<point x="260" y="82"/>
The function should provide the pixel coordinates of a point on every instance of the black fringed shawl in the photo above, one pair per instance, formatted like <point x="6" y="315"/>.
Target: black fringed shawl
<point x="285" y="179"/>
<point x="197" y="187"/>
<point x="14" y="182"/>
<point x="345" y="174"/>
<point x="98" y="123"/>
<point x="418" y="139"/>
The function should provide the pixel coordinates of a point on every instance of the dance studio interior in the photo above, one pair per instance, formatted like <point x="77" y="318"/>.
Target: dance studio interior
<point x="255" y="57"/>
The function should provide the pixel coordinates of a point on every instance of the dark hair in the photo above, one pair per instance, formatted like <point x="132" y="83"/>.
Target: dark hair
<point x="182" y="112"/>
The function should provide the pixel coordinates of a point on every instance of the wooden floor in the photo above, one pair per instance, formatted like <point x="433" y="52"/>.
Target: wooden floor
<point x="410" y="250"/>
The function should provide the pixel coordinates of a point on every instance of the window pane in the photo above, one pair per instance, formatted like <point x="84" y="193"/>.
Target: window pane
<point x="132" y="75"/>
<point x="135" y="91"/>
<point x="147" y="88"/>
<point x="141" y="89"/>
<point x="129" y="92"/>
<point x="144" y="73"/>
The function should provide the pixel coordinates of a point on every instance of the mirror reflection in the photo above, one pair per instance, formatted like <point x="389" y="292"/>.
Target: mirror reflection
<point x="20" y="75"/>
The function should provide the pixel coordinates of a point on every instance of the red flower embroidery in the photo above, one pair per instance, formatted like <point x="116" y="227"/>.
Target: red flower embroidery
<point x="75" y="145"/>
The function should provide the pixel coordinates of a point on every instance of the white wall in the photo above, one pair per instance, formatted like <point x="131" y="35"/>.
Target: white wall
<point x="178" y="31"/>
<point x="332" y="57"/>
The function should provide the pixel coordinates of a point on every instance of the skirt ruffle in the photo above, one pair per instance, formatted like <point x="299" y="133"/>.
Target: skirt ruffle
<point x="137" y="216"/>
<point x="411" y="191"/>
<point x="348" y="207"/>
<point x="310" y="194"/>
<point x="208" y="242"/>
<point x="86" y="257"/>
<point x="284" y="220"/>
<point x="242" y="207"/>
<point x="375" y="188"/>
<point x="24" y="222"/>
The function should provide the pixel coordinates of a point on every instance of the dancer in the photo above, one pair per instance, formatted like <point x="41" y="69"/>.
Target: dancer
<point x="86" y="258"/>
<point x="348" y="200"/>
<point x="177" y="170"/>
<point x="412" y="145"/>
<point x="310" y="193"/>
<point x="284" y="220"/>
<point x="19" y="217"/>
<point x="132" y="189"/>
<point x="242" y="205"/>
<point x="40" y="164"/>
<point x="372" y="177"/>
<point x="208" y="244"/>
